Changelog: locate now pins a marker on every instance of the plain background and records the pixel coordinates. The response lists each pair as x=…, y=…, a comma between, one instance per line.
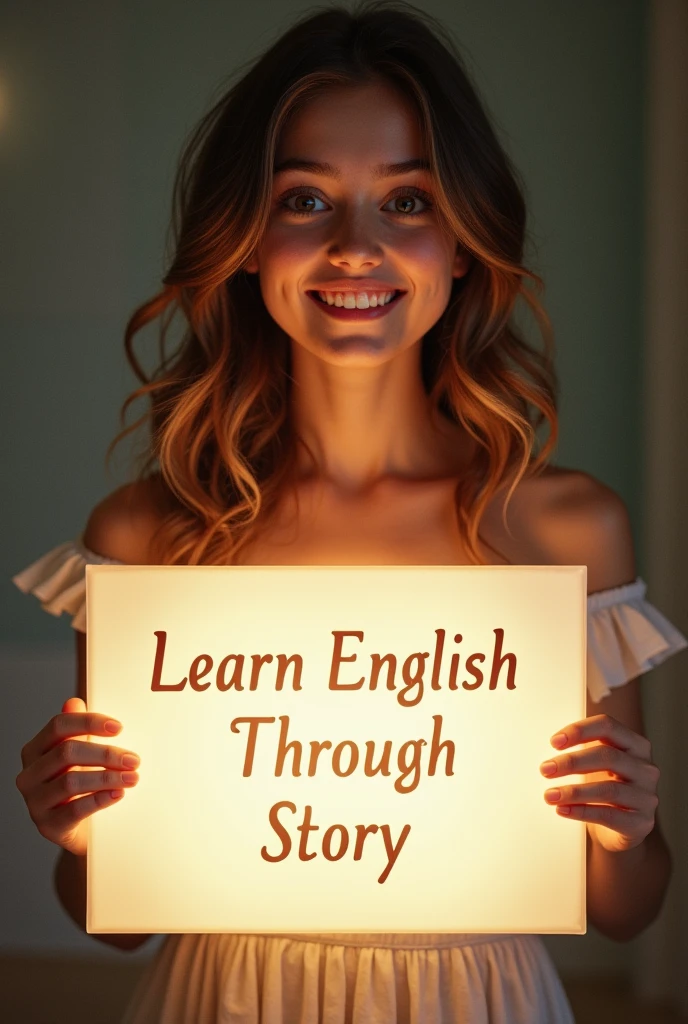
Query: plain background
x=95, y=102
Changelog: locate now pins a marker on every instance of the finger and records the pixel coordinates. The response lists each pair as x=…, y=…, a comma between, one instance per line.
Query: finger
x=69, y=785
x=61, y=727
x=66, y=815
x=607, y=730
x=600, y=757
x=74, y=753
x=73, y=704
x=619, y=794
x=624, y=821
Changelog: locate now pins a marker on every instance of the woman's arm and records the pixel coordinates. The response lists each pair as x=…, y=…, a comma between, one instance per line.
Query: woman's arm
x=70, y=870
x=625, y=891
x=584, y=522
x=119, y=527
x=70, y=885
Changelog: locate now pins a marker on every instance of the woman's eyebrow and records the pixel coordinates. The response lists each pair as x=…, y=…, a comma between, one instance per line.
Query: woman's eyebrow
x=327, y=170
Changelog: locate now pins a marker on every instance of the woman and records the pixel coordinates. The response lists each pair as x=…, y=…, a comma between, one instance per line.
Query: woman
x=351, y=390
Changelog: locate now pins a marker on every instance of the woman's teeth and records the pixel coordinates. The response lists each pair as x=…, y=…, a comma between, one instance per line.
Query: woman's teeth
x=356, y=300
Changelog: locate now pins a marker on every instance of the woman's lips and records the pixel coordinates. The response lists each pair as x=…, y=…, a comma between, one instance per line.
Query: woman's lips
x=341, y=313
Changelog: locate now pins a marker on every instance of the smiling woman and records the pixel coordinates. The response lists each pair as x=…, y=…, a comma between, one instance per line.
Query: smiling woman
x=351, y=389
x=319, y=246
x=380, y=255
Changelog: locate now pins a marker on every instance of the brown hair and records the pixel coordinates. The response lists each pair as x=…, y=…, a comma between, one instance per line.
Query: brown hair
x=220, y=429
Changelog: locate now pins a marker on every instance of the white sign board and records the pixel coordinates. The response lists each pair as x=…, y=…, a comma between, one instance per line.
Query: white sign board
x=337, y=749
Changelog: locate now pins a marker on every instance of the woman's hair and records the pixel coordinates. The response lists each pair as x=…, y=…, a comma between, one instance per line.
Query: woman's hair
x=221, y=433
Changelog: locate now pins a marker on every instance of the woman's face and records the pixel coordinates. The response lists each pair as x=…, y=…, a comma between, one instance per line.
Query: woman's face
x=350, y=229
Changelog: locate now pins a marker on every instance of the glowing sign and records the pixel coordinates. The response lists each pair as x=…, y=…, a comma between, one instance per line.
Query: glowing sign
x=337, y=748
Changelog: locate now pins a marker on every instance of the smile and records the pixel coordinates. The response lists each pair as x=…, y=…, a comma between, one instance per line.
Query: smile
x=342, y=313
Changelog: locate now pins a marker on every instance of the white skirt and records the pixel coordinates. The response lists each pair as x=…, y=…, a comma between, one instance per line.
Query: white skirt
x=346, y=979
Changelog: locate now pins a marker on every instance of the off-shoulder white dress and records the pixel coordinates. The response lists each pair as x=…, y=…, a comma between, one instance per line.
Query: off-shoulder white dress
x=350, y=979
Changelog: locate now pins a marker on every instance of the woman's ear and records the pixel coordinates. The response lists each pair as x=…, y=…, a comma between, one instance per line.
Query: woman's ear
x=463, y=261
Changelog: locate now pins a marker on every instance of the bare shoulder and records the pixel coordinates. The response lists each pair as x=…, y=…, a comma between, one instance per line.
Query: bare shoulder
x=123, y=524
x=575, y=519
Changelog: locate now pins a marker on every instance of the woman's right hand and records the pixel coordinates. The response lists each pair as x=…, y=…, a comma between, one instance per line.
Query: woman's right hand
x=53, y=792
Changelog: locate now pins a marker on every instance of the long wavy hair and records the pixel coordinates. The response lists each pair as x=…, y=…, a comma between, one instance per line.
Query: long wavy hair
x=221, y=439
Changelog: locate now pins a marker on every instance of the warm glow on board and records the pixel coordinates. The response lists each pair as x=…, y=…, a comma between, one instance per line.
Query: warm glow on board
x=337, y=748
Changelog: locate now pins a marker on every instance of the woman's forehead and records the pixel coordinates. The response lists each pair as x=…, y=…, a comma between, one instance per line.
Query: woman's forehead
x=362, y=127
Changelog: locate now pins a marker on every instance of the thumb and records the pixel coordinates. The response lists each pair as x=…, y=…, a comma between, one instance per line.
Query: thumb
x=74, y=704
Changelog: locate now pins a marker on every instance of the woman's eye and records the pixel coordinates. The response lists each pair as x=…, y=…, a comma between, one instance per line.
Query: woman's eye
x=405, y=203
x=308, y=207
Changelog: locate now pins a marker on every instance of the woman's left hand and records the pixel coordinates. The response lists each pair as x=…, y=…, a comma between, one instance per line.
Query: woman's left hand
x=619, y=810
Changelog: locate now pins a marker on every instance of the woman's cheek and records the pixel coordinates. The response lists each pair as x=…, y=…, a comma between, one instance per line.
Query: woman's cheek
x=426, y=250
x=284, y=241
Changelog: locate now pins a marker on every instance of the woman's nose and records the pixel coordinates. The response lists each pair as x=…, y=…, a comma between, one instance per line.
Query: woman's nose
x=355, y=238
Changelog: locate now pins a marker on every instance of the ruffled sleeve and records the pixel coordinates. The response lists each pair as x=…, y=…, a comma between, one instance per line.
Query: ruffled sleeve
x=626, y=636
x=58, y=580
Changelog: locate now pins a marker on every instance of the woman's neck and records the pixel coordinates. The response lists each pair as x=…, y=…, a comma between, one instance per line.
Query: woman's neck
x=365, y=425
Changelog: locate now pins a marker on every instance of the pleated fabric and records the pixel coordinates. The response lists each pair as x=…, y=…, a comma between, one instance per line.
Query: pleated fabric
x=627, y=636
x=269, y=979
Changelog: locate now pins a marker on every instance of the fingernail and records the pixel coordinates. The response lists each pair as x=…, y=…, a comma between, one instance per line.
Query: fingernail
x=559, y=740
x=112, y=726
x=548, y=767
x=553, y=794
x=131, y=761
